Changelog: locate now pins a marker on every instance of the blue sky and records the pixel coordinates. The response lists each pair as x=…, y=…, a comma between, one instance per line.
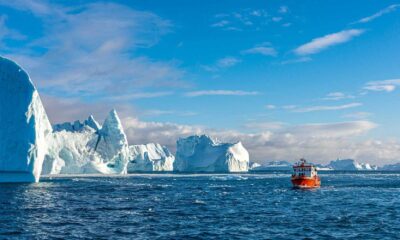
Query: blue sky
x=268, y=70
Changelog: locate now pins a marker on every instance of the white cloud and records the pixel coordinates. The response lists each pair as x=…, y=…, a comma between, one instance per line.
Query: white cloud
x=89, y=50
x=384, y=11
x=37, y=7
x=270, y=106
x=220, y=92
x=264, y=126
x=221, y=23
x=276, y=19
x=138, y=95
x=266, y=51
x=334, y=96
x=358, y=115
x=159, y=112
x=288, y=107
x=227, y=62
x=222, y=63
x=327, y=108
x=240, y=20
x=297, y=60
x=257, y=13
x=70, y=109
x=384, y=85
x=283, y=9
x=333, y=130
x=318, y=44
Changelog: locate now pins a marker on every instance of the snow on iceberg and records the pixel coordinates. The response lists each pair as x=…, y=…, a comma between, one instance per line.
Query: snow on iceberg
x=203, y=154
x=88, y=148
x=24, y=126
x=150, y=157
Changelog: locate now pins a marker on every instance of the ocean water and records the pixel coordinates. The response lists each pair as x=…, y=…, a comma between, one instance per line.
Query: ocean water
x=202, y=206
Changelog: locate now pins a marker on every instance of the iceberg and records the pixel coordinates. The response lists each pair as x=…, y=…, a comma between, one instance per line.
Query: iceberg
x=254, y=165
x=391, y=167
x=150, y=157
x=24, y=126
x=88, y=148
x=203, y=154
x=350, y=165
x=272, y=166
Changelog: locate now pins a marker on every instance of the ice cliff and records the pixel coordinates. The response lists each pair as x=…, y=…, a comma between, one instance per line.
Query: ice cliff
x=87, y=148
x=150, y=157
x=203, y=154
x=24, y=126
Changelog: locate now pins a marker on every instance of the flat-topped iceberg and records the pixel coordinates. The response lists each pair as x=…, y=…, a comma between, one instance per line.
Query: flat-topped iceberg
x=203, y=154
x=87, y=148
x=24, y=126
x=150, y=157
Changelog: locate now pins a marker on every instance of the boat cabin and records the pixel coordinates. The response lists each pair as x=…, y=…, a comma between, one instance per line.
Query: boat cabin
x=304, y=169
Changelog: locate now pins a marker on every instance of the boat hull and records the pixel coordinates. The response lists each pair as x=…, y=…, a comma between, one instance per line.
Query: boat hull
x=306, y=182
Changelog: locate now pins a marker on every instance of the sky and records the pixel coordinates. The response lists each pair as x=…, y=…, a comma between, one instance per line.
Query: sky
x=290, y=79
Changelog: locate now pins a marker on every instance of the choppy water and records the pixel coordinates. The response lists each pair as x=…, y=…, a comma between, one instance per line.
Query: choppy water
x=246, y=206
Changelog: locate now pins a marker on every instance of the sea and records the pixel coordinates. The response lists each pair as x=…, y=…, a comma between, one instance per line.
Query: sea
x=349, y=205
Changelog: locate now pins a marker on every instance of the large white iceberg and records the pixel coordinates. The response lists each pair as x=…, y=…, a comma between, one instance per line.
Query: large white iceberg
x=87, y=148
x=150, y=157
x=203, y=154
x=24, y=126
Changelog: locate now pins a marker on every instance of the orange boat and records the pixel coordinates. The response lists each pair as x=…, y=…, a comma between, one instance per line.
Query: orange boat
x=305, y=175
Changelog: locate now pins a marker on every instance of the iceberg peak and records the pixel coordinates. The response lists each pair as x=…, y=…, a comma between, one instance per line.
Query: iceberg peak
x=112, y=123
x=91, y=122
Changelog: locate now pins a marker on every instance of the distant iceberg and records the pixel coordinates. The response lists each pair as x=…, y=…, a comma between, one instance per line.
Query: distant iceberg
x=272, y=166
x=203, y=154
x=24, y=126
x=150, y=157
x=338, y=165
x=391, y=167
x=350, y=165
x=87, y=148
